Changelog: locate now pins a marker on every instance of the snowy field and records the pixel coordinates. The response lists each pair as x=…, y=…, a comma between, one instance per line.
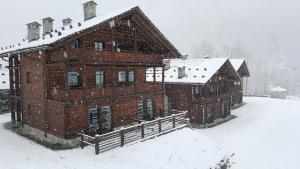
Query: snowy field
x=183, y=149
x=266, y=134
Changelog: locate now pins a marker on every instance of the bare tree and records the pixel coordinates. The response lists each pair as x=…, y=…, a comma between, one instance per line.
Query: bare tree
x=236, y=51
x=205, y=48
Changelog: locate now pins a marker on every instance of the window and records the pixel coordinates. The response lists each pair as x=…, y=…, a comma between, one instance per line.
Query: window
x=98, y=46
x=141, y=112
x=93, y=120
x=28, y=77
x=73, y=79
x=99, y=79
x=122, y=76
x=77, y=44
x=150, y=74
x=131, y=77
x=149, y=109
x=106, y=117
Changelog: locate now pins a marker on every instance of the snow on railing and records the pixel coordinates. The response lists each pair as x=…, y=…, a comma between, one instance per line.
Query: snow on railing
x=139, y=132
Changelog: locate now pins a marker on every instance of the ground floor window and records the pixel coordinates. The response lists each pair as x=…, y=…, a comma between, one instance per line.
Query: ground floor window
x=149, y=108
x=141, y=113
x=93, y=120
x=106, y=118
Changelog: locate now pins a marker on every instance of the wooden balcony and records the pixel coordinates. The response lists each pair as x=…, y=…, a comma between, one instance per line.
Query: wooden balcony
x=211, y=99
x=105, y=92
x=90, y=55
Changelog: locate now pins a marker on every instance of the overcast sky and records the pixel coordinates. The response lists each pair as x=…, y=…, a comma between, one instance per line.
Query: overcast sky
x=264, y=27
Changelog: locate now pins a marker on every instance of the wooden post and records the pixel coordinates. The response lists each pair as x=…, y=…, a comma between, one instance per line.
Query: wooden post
x=159, y=125
x=143, y=130
x=97, y=141
x=81, y=140
x=174, y=124
x=122, y=138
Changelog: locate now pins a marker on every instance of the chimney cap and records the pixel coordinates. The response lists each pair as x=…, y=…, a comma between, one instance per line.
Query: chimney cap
x=49, y=19
x=90, y=2
x=67, y=20
x=33, y=24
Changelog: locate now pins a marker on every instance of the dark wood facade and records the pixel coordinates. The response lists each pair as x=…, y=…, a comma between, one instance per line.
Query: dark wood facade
x=206, y=102
x=237, y=97
x=41, y=94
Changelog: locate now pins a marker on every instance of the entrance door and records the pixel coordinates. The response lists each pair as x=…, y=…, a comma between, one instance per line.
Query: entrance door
x=93, y=120
x=106, y=118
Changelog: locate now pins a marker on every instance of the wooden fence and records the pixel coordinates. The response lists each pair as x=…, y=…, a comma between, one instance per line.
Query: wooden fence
x=145, y=130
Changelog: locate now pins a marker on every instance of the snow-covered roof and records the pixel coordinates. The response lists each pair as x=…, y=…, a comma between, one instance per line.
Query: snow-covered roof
x=278, y=89
x=69, y=31
x=237, y=63
x=4, y=76
x=197, y=71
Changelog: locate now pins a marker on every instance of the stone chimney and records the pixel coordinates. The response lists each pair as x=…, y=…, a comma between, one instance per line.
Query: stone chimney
x=89, y=10
x=33, y=31
x=47, y=25
x=181, y=72
x=67, y=22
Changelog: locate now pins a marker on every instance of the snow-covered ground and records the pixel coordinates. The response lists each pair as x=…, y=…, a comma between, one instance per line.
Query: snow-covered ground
x=266, y=134
x=183, y=149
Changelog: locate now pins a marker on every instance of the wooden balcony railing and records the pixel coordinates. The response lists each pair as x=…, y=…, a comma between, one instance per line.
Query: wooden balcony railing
x=105, y=92
x=91, y=55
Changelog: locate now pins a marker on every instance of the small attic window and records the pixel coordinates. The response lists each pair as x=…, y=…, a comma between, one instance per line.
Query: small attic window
x=203, y=76
x=189, y=69
x=174, y=70
x=205, y=69
x=4, y=82
x=195, y=76
x=3, y=74
x=171, y=76
x=197, y=69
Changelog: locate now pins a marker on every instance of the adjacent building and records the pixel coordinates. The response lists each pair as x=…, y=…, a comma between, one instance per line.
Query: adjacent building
x=203, y=87
x=4, y=87
x=241, y=68
x=88, y=76
x=279, y=93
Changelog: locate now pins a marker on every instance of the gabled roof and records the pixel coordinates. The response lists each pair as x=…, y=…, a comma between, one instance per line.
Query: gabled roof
x=197, y=71
x=237, y=63
x=55, y=37
x=240, y=66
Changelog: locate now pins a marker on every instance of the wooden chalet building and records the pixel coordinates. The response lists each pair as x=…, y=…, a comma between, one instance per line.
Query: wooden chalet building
x=203, y=87
x=241, y=68
x=88, y=76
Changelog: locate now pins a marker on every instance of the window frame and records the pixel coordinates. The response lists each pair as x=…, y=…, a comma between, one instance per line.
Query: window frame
x=78, y=84
x=103, y=79
x=131, y=81
x=98, y=46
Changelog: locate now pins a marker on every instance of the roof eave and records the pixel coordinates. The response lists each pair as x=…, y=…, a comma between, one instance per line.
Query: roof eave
x=26, y=50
